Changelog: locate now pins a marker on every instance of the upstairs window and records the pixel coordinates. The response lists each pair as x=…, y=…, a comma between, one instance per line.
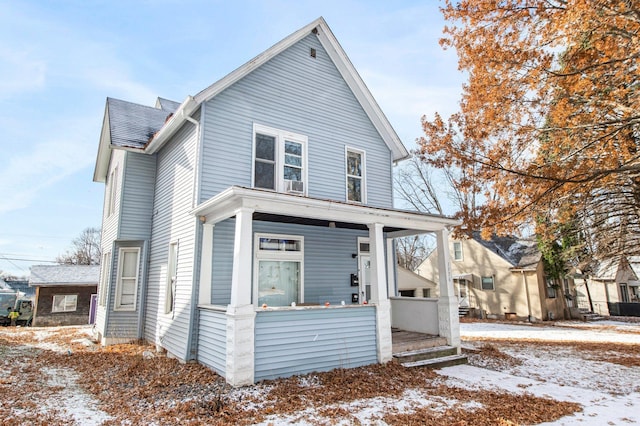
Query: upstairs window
x=457, y=250
x=355, y=176
x=280, y=160
x=111, y=191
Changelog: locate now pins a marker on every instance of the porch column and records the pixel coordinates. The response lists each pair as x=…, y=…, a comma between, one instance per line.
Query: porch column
x=391, y=268
x=379, y=292
x=206, y=258
x=240, y=312
x=448, y=320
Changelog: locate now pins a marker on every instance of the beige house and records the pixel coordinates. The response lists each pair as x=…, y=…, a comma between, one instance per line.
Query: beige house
x=501, y=278
x=613, y=285
x=411, y=284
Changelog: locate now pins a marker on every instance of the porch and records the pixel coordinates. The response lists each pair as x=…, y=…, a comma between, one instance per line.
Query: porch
x=282, y=311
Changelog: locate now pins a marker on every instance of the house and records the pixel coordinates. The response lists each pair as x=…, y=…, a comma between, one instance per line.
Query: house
x=501, y=278
x=21, y=286
x=612, y=287
x=64, y=294
x=251, y=226
x=411, y=284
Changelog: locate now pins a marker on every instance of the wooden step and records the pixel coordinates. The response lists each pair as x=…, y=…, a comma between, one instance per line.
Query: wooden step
x=426, y=353
x=446, y=361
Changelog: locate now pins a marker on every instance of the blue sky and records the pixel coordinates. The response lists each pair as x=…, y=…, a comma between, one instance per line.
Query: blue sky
x=60, y=60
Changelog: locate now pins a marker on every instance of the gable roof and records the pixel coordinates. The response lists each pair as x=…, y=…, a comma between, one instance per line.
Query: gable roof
x=48, y=275
x=348, y=72
x=128, y=125
x=520, y=253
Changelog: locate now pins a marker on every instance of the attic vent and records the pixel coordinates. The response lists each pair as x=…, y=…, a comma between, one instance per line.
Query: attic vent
x=313, y=52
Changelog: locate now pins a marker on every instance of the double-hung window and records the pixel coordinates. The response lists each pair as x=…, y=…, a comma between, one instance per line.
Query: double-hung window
x=172, y=277
x=279, y=269
x=457, y=250
x=127, y=284
x=356, y=191
x=104, y=278
x=280, y=160
x=488, y=283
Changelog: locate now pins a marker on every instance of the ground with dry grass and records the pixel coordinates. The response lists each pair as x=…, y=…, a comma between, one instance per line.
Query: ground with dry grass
x=58, y=376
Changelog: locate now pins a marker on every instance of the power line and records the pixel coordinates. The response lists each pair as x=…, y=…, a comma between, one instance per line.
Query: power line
x=27, y=260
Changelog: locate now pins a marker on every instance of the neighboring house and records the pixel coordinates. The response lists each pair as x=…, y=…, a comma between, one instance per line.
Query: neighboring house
x=251, y=226
x=612, y=288
x=502, y=277
x=21, y=286
x=411, y=284
x=65, y=294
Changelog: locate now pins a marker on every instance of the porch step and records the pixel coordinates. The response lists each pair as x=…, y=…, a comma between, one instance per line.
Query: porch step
x=446, y=361
x=424, y=354
x=463, y=311
x=404, y=341
x=590, y=316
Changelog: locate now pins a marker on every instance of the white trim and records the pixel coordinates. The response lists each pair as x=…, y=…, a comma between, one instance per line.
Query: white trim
x=363, y=177
x=276, y=255
x=118, y=301
x=281, y=136
x=224, y=205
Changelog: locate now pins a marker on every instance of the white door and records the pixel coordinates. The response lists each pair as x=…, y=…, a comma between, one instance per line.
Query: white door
x=365, y=278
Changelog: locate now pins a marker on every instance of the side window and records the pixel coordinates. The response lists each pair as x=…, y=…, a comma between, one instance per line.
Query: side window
x=112, y=191
x=104, y=278
x=487, y=283
x=457, y=250
x=127, y=284
x=172, y=273
x=279, y=160
x=355, y=176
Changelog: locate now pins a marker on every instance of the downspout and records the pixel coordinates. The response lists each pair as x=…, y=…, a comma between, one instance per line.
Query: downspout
x=192, y=349
x=526, y=288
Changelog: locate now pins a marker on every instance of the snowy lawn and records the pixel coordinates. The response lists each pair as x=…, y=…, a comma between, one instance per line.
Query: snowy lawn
x=559, y=373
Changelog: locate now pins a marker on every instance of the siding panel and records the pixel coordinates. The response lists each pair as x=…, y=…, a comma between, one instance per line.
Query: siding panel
x=137, y=199
x=172, y=222
x=301, y=341
x=212, y=340
x=305, y=95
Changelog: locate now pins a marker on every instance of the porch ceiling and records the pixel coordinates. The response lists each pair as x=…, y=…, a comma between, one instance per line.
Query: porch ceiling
x=279, y=207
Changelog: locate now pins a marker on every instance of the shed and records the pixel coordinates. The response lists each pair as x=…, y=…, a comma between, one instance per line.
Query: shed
x=65, y=294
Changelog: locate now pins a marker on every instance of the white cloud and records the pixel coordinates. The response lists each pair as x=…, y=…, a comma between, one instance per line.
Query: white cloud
x=25, y=175
x=19, y=72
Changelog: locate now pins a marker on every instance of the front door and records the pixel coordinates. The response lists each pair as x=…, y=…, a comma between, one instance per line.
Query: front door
x=365, y=278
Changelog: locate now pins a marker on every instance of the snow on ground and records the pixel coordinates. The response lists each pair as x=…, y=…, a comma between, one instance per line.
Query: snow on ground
x=609, y=393
x=568, y=331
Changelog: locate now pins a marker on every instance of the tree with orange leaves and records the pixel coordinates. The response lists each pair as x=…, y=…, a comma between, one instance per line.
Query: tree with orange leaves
x=549, y=118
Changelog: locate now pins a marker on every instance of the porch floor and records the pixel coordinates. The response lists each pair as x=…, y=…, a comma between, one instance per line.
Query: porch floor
x=403, y=341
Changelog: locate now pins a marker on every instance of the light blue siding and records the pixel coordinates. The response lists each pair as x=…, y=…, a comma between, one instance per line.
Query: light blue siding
x=328, y=260
x=301, y=94
x=301, y=341
x=137, y=196
x=172, y=222
x=223, y=240
x=212, y=340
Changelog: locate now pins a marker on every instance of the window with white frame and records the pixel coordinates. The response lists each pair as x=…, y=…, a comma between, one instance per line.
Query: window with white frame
x=280, y=160
x=64, y=303
x=113, y=183
x=127, y=284
x=104, y=278
x=279, y=269
x=355, y=175
x=551, y=287
x=457, y=250
x=487, y=283
x=172, y=276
